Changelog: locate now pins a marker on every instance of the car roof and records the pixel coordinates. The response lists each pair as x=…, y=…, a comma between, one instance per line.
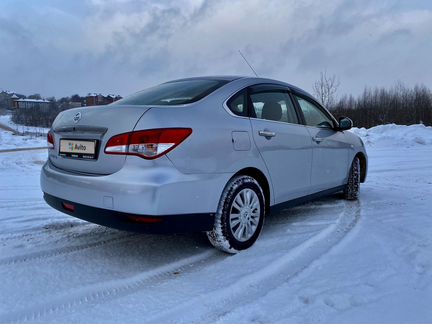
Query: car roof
x=294, y=88
x=228, y=78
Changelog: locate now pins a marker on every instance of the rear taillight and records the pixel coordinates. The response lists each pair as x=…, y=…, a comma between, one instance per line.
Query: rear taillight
x=148, y=144
x=50, y=140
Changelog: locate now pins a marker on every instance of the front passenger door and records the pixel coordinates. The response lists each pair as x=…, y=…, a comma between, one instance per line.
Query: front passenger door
x=330, y=150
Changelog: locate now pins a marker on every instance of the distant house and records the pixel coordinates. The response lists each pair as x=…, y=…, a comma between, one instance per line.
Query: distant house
x=31, y=103
x=7, y=99
x=95, y=99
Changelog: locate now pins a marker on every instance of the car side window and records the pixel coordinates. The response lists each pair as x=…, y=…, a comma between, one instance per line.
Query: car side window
x=273, y=105
x=313, y=115
x=237, y=104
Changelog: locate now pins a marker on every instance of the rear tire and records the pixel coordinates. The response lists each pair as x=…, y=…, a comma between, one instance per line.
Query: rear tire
x=352, y=188
x=240, y=215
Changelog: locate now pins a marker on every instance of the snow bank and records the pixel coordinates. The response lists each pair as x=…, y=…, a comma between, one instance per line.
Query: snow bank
x=10, y=141
x=395, y=135
x=6, y=120
x=34, y=136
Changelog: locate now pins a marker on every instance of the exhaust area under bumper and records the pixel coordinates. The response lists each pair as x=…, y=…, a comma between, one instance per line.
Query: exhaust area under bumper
x=168, y=224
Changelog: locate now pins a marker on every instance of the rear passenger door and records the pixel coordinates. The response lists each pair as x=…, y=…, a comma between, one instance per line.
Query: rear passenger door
x=330, y=150
x=284, y=144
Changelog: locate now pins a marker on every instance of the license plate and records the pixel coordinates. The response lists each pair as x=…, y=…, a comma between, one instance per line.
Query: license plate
x=78, y=149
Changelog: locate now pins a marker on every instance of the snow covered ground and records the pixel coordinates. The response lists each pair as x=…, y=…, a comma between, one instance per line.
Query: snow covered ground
x=6, y=120
x=9, y=140
x=327, y=261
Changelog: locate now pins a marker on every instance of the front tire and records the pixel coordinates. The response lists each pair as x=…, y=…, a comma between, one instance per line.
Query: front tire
x=352, y=189
x=240, y=215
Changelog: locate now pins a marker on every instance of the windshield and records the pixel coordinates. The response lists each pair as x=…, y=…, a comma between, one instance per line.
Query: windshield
x=173, y=93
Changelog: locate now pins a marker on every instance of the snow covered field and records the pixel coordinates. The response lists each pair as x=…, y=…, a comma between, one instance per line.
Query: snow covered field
x=6, y=120
x=9, y=141
x=327, y=261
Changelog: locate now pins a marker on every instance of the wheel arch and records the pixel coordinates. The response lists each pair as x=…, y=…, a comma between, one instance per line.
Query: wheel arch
x=259, y=176
x=363, y=166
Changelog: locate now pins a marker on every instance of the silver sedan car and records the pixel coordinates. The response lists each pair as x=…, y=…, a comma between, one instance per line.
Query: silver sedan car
x=211, y=154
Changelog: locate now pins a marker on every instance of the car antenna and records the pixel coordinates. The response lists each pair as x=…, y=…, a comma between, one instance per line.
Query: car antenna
x=244, y=58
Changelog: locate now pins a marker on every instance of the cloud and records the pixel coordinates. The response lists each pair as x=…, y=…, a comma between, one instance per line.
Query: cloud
x=63, y=47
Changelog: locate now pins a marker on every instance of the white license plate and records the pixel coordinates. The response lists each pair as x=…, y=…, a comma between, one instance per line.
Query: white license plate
x=78, y=149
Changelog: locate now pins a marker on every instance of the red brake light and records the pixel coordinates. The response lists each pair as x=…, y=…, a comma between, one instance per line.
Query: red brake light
x=50, y=140
x=148, y=144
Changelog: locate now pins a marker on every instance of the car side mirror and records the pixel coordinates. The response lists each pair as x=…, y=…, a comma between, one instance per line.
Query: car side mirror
x=345, y=123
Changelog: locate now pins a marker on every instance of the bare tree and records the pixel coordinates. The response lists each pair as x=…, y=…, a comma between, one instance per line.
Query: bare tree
x=325, y=89
x=35, y=96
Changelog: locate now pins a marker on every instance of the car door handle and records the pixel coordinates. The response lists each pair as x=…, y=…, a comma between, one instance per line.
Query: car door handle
x=266, y=133
x=317, y=139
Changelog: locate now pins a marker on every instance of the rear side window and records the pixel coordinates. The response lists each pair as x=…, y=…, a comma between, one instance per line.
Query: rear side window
x=173, y=93
x=237, y=104
x=273, y=105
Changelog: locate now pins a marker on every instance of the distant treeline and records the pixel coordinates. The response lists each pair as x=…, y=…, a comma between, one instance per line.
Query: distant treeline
x=40, y=116
x=399, y=105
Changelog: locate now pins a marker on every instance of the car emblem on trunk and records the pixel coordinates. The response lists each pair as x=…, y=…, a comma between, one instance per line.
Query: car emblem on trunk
x=77, y=117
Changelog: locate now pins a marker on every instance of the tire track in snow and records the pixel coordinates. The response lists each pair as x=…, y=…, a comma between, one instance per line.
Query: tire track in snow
x=42, y=255
x=37, y=232
x=197, y=308
x=104, y=291
x=213, y=306
x=28, y=203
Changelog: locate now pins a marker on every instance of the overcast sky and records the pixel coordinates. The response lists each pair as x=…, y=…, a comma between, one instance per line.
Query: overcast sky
x=62, y=47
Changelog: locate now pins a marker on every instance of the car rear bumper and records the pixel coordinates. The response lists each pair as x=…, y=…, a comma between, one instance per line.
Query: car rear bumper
x=157, y=189
x=134, y=222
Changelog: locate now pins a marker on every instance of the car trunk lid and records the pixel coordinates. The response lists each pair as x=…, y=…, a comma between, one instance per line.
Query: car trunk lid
x=92, y=127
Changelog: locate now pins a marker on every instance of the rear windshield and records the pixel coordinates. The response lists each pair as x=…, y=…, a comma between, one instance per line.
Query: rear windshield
x=173, y=93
